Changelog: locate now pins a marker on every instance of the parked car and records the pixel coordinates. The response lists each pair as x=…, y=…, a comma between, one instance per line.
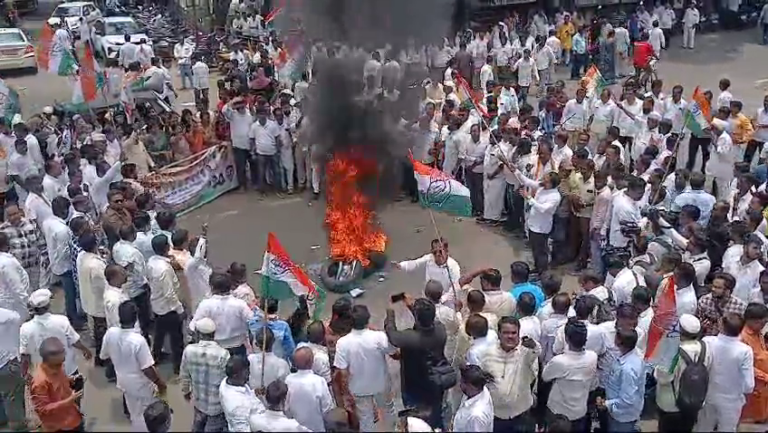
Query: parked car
x=16, y=51
x=110, y=36
x=71, y=12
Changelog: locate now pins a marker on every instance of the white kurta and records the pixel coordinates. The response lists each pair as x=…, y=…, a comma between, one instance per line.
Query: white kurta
x=493, y=189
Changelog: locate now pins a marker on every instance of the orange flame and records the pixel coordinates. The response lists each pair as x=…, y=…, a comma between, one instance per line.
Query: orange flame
x=352, y=229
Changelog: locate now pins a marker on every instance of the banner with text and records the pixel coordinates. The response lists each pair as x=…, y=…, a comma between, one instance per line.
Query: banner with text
x=194, y=181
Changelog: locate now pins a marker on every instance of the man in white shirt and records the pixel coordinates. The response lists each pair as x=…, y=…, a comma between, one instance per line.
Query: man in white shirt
x=624, y=208
x=265, y=140
x=164, y=289
x=274, y=418
x=527, y=74
x=746, y=267
x=182, y=53
x=309, y=398
x=137, y=375
x=144, y=53
x=691, y=19
x=57, y=237
x=266, y=367
x=583, y=309
x=54, y=181
x=14, y=279
x=685, y=294
x=200, y=78
x=513, y=362
x=545, y=62
x=573, y=374
x=621, y=279
x=575, y=115
x=361, y=360
x=731, y=377
x=114, y=294
x=674, y=110
x=486, y=74
x=12, y=385
x=126, y=254
x=316, y=342
x=230, y=314
x=238, y=399
x=43, y=325
x=127, y=53
x=36, y=206
x=543, y=202
x=667, y=18
x=372, y=71
x=560, y=306
x=240, y=121
x=90, y=276
x=725, y=97
x=439, y=266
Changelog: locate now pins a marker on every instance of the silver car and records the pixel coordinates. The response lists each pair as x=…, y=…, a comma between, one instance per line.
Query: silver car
x=16, y=51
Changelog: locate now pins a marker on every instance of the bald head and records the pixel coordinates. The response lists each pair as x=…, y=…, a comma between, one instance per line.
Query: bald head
x=433, y=291
x=51, y=348
x=303, y=358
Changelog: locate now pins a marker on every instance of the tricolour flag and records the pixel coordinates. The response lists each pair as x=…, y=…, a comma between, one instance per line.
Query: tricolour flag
x=467, y=96
x=9, y=101
x=441, y=192
x=90, y=79
x=52, y=56
x=282, y=279
x=699, y=113
x=664, y=332
x=595, y=81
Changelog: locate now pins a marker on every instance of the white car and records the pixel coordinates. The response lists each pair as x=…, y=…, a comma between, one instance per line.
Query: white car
x=111, y=33
x=72, y=12
x=16, y=51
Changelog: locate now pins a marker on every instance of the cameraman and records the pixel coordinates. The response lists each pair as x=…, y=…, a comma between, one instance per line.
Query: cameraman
x=625, y=211
x=694, y=242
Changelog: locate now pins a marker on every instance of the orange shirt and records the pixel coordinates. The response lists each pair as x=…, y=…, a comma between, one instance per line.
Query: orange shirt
x=756, y=409
x=742, y=128
x=49, y=391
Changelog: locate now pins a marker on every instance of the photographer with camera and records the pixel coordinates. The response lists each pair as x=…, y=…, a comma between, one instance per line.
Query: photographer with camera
x=624, y=217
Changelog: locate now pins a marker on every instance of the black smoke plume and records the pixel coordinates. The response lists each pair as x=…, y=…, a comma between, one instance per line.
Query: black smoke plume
x=341, y=120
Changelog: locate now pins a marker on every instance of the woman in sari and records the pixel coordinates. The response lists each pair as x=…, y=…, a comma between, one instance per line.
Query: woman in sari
x=606, y=57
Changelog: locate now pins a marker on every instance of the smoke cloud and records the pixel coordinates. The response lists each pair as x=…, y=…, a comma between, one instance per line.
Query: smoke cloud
x=340, y=121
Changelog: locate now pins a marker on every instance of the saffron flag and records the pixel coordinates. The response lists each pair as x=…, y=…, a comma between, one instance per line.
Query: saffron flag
x=282, y=279
x=595, y=81
x=9, y=101
x=440, y=191
x=699, y=113
x=664, y=333
x=52, y=56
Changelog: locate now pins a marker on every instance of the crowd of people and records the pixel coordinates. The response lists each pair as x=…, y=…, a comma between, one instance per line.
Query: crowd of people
x=590, y=179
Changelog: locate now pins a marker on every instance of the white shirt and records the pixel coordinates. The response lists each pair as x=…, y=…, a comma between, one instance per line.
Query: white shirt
x=15, y=285
x=761, y=134
x=239, y=127
x=544, y=58
x=308, y=400
x=627, y=126
x=656, y=39
x=448, y=274
x=674, y=111
x=723, y=156
x=38, y=208
x=275, y=368
x=143, y=243
x=560, y=154
x=128, y=54
x=732, y=374
x=543, y=206
x=575, y=115
x=129, y=352
x=239, y=404
x=127, y=255
x=747, y=276
x=265, y=137
x=53, y=187
x=47, y=325
x=363, y=353
x=486, y=75
x=200, y=76
x=572, y=374
x=198, y=271
x=691, y=17
x=164, y=286
x=595, y=340
x=231, y=316
x=622, y=208
x=10, y=329
x=526, y=72
x=530, y=326
x=549, y=328
x=475, y=414
x=479, y=346
x=724, y=99
x=90, y=273
x=603, y=115
x=514, y=372
x=100, y=186
x=272, y=421
x=623, y=284
x=113, y=297
x=687, y=303
x=372, y=68
x=321, y=364
x=57, y=236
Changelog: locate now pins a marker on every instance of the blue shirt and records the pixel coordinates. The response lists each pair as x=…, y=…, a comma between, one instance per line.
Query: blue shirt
x=625, y=388
x=284, y=344
x=579, y=45
x=519, y=289
x=699, y=198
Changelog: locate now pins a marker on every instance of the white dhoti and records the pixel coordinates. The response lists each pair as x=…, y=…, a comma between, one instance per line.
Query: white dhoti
x=724, y=416
x=493, y=197
x=139, y=393
x=286, y=162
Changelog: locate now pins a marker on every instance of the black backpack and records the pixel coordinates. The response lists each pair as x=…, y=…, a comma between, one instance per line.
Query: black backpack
x=694, y=382
x=442, y=375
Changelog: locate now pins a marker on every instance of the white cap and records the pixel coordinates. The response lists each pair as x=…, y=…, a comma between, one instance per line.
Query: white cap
x=16, y=119
x=48, y=110
x=205, y=326
x=40, y=298
x=97, y=136
x=449, y=83
x=690, y=324
x=654, y=115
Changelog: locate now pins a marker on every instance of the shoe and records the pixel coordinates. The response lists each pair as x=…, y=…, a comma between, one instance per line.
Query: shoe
x=315, y=196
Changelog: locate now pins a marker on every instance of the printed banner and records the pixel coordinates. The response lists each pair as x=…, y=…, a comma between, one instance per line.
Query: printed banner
x=194, y=181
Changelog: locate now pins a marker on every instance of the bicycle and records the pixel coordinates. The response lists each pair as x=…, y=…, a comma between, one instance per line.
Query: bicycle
x=645, y=76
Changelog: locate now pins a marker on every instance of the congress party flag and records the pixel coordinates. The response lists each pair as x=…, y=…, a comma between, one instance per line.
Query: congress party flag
x=440, y=191
x=664, y=333
x=52, y=56
x=699, y=113
x=595, y=81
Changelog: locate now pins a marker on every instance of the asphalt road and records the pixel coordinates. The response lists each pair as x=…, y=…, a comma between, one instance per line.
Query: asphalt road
x=239, y=223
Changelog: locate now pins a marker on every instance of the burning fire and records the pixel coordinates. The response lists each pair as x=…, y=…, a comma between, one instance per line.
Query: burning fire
x=352, y=230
